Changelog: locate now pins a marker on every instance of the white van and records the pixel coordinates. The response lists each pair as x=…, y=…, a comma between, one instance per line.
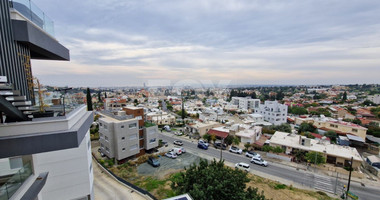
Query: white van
x=243, y=166
x=178, y=151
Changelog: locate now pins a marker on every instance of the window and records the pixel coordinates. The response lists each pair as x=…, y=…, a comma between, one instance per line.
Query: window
x=355, y=130
x=106, y=138
x=133, y=147
x=133, y=136
x=332, y=125
x=100, y=124
x=122, y=138
x=123, y=149
x=105, y=126
x=134, y=125
x=107, y=149
x=152, y=140
x=122, y=126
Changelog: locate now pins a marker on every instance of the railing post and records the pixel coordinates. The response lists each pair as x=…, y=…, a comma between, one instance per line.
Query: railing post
x=6, y=189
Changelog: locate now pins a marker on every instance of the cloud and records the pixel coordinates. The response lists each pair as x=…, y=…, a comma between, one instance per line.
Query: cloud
x=284, y=42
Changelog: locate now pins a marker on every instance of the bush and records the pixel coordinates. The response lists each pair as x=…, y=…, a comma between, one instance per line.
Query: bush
x=279, y=186
x=267, y=148
x=278, y=150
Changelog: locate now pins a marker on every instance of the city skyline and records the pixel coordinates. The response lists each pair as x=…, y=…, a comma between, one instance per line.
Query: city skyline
x=116, y=43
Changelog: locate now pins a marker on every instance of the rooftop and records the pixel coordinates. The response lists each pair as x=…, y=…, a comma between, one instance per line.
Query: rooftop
x=292, y=140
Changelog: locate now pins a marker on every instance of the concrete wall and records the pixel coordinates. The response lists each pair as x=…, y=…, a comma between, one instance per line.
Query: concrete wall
x=70, y=172
x=151, y=137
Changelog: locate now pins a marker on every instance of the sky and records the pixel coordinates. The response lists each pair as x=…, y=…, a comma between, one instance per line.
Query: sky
x=128, y=43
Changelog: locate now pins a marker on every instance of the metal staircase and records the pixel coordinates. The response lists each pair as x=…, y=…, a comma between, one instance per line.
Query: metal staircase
x=14, y=106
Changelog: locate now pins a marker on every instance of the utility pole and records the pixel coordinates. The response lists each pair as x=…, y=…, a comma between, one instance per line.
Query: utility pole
x=315, y=162
x=221, y=148
x=336, y=182
x=349, y=178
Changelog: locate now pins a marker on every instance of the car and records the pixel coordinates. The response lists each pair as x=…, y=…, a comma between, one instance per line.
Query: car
x=182, y=149
x=176, y=150
x=153, y=161
x=202, y=146
x=259, y=161
x=178, y=142
x=164, y=143
x=167, y=128
x=242, y=166
x=203, y=142
x=235, y=150
x=178, y=133
x=219, y=145
x=171, y=154
x=252, y=154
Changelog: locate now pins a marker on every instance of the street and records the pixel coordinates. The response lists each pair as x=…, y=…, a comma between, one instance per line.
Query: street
x=304, y=178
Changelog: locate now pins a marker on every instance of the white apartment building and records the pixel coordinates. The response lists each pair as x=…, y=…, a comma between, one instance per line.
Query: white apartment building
x=246, y=103
x=374, y=98
x=47, y=158
x=273, y=112
x=120, y=138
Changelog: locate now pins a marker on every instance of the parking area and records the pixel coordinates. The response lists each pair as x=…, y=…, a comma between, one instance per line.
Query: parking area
x=168, y=165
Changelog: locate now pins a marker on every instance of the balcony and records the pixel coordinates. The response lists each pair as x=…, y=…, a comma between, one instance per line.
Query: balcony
x=29, y=10
x=11, y=183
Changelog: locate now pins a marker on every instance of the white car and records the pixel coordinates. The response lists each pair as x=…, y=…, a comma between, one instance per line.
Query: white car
x=259, y=161
x=235, y=150
x=171, y=155
x=252, y=154
x=183, y=150
x=203, y=142
x=178, y=142
x=242, y=166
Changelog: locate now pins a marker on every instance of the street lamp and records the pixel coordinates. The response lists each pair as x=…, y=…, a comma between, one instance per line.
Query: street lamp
x=349, y=178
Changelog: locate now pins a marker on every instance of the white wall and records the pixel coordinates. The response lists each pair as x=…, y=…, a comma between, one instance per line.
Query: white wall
x=70, y=172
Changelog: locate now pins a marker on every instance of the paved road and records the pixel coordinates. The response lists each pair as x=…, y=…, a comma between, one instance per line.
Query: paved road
x=106, y=187
x=305, y=178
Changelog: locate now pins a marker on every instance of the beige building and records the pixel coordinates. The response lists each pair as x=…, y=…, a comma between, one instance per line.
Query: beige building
x=342, y=128
x=161, y=118
x=334, y=154
x=202, y=128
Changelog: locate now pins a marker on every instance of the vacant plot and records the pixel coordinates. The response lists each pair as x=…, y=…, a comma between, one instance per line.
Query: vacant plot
x=168, y=165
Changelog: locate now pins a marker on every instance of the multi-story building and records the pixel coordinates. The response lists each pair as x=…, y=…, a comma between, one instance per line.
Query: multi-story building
x=41, y=158
x=374, y=98
x=47, y=158
x=123, y=136
x=341, y=127
x=273, y=112
x=246, y=103
x=26, y=33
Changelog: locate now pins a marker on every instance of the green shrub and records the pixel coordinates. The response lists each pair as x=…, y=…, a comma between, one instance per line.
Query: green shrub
x=267, y=148
x=280, y=186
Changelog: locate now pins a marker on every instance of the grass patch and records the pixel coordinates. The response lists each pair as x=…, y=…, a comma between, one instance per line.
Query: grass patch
x=279, y=186
x=153, y=183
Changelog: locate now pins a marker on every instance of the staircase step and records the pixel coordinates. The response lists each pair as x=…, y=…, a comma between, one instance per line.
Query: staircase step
x=9, y=93
x=22, y=103
x=26, y=108
x=6, y=86
x=16, y=98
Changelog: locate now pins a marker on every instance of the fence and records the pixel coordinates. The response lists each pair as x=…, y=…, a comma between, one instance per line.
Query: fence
x=134, y=187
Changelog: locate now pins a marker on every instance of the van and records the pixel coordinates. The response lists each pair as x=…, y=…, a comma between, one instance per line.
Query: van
x=242, y=166
x=177, y=151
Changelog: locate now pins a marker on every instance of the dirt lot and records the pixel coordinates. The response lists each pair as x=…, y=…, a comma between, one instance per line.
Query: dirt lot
x=168, y=165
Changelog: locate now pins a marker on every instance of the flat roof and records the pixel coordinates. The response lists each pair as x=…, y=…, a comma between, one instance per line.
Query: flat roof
x=292, y=140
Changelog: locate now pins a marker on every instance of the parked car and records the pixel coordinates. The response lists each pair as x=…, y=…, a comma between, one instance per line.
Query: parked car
x=182, y=149
x=259, y=161
x=178, y=142
x=164, y=143
x=171, y=154
x=242, y=166
x=178, y=133
x=176, y=150
x=153, y=161
x=252, y=154
x=219, y=145
x=235, y=150
x=202, y=146
x=203, y=142
x=167, y=128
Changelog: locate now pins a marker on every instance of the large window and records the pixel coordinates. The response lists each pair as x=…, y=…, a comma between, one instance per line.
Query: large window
x=134, y=125
x=152, y=140
x=133, y=147
x=133, y=136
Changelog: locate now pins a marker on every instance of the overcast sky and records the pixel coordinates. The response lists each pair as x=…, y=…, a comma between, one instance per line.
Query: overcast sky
x=127, y=43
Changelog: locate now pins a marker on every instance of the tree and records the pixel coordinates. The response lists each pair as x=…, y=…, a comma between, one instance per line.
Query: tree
x=105, y=95
x=247, y=145
x=183, y=115
x=297, y=110
x=332, y=135
x=136, y=102
x=315, y=157
x=368, y=103
x=278, y=150
x=344, y=98
x=357, y=121
x=99, y=97
x=229, y=139
x=213, y=138
x=306, y=127
x=214, y=181
x=89, y=100
x=236, y=141
x=207, y=137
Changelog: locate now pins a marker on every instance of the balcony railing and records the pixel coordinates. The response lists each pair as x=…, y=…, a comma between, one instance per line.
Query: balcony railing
x=15, y=181
x=29, y=10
